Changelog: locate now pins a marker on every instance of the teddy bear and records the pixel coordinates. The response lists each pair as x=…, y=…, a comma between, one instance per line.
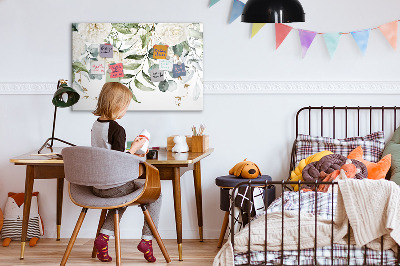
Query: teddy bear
x=13, y=215
x=245, y=169
x=180, y=144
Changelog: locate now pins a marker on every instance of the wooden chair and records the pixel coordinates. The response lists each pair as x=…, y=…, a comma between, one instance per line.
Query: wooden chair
x=85, y=167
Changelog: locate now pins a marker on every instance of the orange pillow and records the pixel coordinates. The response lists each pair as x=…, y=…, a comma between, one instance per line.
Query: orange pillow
x=375, y=170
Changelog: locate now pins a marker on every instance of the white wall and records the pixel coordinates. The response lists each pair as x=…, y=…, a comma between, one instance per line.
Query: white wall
x=35, y=44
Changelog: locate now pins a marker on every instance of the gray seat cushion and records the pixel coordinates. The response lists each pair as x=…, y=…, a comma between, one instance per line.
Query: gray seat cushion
x=83, y=196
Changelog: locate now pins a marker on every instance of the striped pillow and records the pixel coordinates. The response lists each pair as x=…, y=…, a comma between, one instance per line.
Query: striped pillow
x=372, y=145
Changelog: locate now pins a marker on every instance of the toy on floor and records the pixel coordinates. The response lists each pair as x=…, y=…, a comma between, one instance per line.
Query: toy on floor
x=245, y=169
x=13, y=215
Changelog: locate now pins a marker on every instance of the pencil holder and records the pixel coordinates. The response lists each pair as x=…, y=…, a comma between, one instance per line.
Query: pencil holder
x=200, y=143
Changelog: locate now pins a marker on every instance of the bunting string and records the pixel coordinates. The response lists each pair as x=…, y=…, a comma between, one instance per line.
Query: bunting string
x=361, y=37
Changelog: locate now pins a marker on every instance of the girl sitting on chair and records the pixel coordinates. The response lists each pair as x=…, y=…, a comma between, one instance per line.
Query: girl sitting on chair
x=112, y=104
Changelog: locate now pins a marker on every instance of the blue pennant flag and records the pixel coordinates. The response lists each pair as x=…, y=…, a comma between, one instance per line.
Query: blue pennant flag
x=213, y=2
x=361, y=37
x=332, y=41
x=237, y=9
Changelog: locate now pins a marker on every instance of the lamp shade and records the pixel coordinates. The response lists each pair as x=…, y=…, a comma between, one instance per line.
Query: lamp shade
x=273, y=11
x=65, y=96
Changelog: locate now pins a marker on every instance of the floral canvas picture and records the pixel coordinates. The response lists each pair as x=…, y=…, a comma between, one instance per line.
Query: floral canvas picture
x=161, y=63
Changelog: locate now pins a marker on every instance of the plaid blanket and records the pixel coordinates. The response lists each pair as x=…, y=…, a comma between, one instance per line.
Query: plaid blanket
x=323, y=205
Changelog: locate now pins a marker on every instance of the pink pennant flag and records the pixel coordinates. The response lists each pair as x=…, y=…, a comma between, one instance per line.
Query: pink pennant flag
x=306, y=39
x=389, y=30
x=281, y=31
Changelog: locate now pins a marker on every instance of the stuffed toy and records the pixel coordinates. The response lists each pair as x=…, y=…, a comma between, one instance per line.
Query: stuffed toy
x=245, y=169
x=13, y=215
x=296, y=174
x=1, y=220
x=180, y=144
x=375, y=170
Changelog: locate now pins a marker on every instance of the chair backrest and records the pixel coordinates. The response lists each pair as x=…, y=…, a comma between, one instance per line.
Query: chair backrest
x=92, y=166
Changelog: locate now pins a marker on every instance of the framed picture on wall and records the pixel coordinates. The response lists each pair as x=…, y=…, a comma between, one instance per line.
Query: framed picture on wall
x=161, y=63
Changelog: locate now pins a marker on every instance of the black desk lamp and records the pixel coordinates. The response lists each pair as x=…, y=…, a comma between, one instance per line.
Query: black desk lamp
x=273, y=11
x=64, y=97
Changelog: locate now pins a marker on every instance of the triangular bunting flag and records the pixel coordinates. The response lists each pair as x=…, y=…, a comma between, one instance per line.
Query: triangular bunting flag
x=237, y=9
x=213, y=2
x=306, y=39
x=389, y=30
x=332, y=41
x=361, y=37
x=281, y=31
x=256, y=28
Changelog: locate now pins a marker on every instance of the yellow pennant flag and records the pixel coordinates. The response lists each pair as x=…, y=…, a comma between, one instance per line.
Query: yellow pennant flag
x=256, y=28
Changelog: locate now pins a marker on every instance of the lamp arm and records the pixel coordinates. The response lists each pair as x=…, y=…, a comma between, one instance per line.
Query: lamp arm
x=54, y=126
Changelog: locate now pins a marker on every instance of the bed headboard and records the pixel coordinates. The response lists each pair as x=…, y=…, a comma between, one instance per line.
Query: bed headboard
x=344, y=121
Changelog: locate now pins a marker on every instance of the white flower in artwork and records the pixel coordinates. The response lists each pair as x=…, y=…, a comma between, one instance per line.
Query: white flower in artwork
x=78, y=46
x=172, y=33
x=94, y=32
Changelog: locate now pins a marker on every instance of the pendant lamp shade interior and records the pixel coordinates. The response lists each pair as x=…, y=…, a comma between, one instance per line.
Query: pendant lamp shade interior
x=273, y=11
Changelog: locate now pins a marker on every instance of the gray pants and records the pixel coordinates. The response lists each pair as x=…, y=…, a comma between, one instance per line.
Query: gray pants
x=154, y=208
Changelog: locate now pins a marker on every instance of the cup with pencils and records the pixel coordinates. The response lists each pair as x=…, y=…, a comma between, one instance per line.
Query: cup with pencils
x=200, y=141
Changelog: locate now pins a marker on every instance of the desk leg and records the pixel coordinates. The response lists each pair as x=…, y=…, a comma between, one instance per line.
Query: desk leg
x=176, y=182
x=60, y=190
x=199, y=204
x=27, y=206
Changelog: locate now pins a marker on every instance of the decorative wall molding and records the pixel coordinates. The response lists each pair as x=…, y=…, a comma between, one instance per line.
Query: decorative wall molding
x=250, y=87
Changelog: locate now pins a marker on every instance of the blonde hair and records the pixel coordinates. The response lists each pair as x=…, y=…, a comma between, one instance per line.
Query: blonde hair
x=113, y=98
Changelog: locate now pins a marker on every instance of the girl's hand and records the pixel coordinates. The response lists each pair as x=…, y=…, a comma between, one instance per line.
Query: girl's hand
x=137, y=144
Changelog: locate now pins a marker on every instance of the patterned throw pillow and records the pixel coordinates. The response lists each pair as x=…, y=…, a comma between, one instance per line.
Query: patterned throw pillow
x=372, y=145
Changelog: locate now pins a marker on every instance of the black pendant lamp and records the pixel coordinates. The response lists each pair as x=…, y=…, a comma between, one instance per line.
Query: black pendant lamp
x=273, y=11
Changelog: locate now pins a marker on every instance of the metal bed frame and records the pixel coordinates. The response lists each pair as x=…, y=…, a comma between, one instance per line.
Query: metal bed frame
x=283, y=184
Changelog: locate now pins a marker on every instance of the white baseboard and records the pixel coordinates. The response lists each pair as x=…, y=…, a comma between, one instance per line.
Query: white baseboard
x=247, y=87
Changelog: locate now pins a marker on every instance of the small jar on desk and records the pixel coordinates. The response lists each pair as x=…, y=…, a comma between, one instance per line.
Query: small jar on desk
x=226, y=183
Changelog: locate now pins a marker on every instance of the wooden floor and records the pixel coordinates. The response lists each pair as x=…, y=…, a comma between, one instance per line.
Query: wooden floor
x=50, y=252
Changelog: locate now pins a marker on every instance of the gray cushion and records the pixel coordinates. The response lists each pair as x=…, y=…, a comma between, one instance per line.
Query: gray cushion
x=393, y=148
x=83, y=195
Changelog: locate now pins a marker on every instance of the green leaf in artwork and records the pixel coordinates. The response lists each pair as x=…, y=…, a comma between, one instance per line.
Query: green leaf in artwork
x=78, y=66
x=135, y=56
x=163, y=85
x=195, y=34
x=133, y=95
x=151, y=52
x=185, y=46
x=142, y=87
x=124, y=28
x=131, y=66
x=147, y=78
x=145, y=39
x=74, y=26
x=172, y=85
x=178, y=49
x=128, y=76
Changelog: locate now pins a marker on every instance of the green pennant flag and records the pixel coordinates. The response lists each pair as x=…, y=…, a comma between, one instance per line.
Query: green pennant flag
x=213, y=2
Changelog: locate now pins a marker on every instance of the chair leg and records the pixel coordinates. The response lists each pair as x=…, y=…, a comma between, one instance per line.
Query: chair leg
x=154, y=230
x=117, y=239
x=223, y=229
x=101, y=222
x=73, y=237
